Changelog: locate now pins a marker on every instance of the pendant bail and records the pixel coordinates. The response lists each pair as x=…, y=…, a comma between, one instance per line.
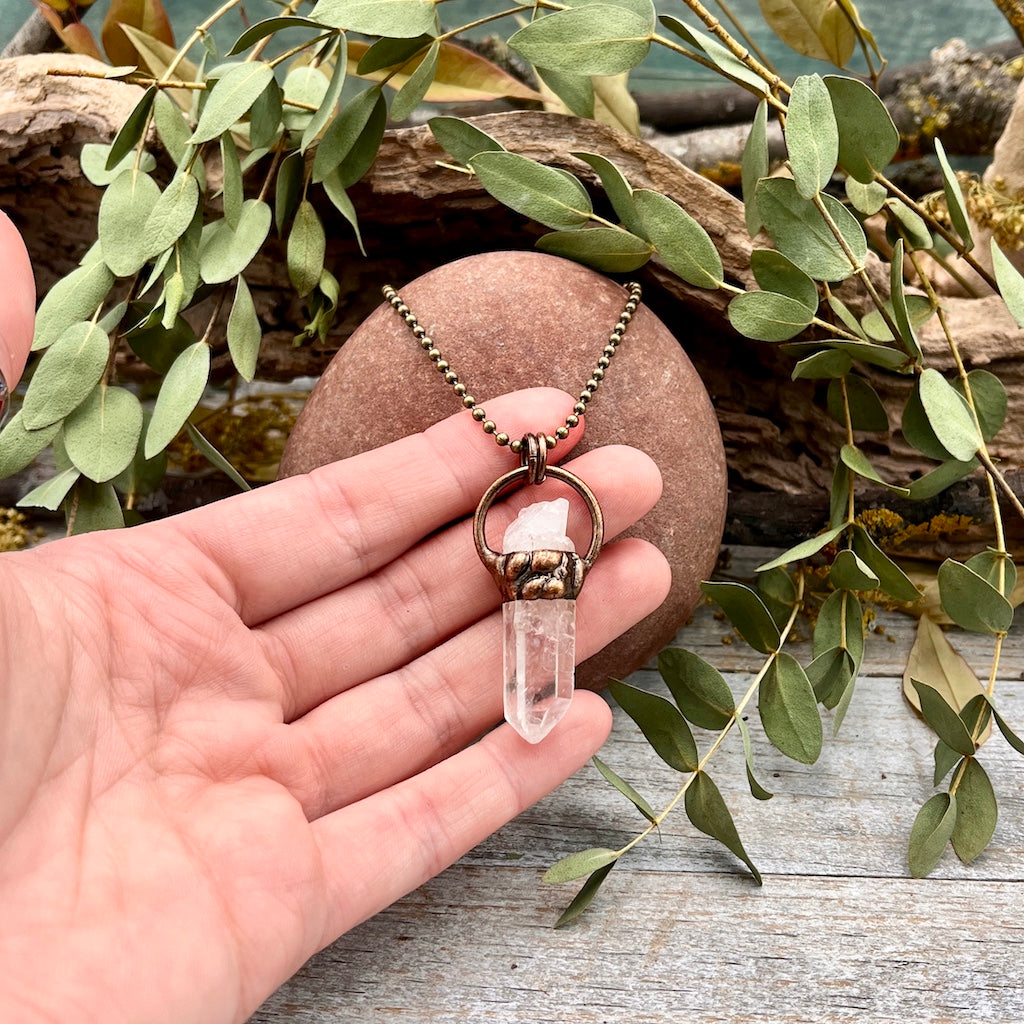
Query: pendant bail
x=534, y=457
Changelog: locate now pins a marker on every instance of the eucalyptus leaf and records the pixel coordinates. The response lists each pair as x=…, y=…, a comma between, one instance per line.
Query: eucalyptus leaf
x=949, y=415
x=946, y=758
x=907, y=226
x=93, y=159
x=288, y=190
x=124, y=213
x=683, y=245
x=1011, y=284
x=830, y=673
x=892, y=579
x=815, y=28
x=400, y=19
x=773, y=272
x=697, y=687
x=848, y=572
x=575, y=91
x=307, y=246
x=827, y=364
x=461, y=139
x=141, y=476
x=154, y=343
x=989, y=398
x=1008, y=734
x=709, y=812
x=768, y=316
x=266, y=115
x=778, y=592
x=916, y=428
x=391, y=53
x=866, y=199
x=344, y=205
x=306, y=85
x=96, y=507
x=746, y=611
x=226, y=253
x=612, y=250
x=933, y=828
x=840, y=624
x=812, y=136
x=244, y=331
x=789, y=710
x=866, y=409
x=598, y=39
x=329, y=102
x=268, y=27
x=855, y=458
x=754, y=167
x=868, y=139
x=937, y=480
x=585, y=896
x=804, y=549
x=617, y=189
x=180, y=393
x=943, y=719
x=101, y=435
x=52, y=492
x=536, y=191
x=971, y=601
x=234, y=193
x=898, y=298
x=665, y=728
x=412, y=92
x=19, y=446
x=625, y=789
x=839, y=498
x=205, y=447
x=954, y=199
x=801, y=233
x=976, y=812
x=231, y=98
x=997, y=567
x=846, y=317
x=69, y=370
x=172, y=213
x=353, y=147
x=71, y=300
x=719, y=54
x=129, y=135
x=757, y=791
x=576, y=865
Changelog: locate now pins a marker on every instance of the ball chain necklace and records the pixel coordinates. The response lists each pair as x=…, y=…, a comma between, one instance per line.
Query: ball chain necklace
x=539, y=574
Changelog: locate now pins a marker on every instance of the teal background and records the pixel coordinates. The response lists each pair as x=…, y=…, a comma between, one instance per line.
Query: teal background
x=905, y=29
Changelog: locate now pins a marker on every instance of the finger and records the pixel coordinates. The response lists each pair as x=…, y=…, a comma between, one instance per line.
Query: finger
x=402, y=723
x=387, y=845
x=298, y=539
x=439, y=588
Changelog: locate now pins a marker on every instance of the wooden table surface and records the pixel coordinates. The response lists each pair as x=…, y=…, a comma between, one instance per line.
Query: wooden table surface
x=679, y=932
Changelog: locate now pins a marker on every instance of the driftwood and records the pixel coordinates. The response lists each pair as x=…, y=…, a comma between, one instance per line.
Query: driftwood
x=416, y=215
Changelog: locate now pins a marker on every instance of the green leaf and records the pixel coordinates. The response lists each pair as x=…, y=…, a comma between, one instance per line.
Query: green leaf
x=265, y=116
x=723, y=58
x=598, y=39
x=173, y=299
x=180, y=393
x=1008, y=734
x=101, y=435
x=339, y=197
x=96, y=507
x=945, y=759
x=205, y=447
x=829, y=363
x=542, y=193
x=391, y=53
x=971, y=601
x=900, y=310
x=801, y=233
x=943, y=719
x=991, y=565
x=868, y=140
x=778, y=592
x=665, y=728
x=919, y=309
x=141, y=476
x=709, y=813
x=617, y=189
x=268, y=27
x=462, y=140
x=625, y=789
x=234, y=193
x=892, y=579
x=226, y=253
x=399, y=19
x=853, y=457
x=411, y=94
x=68, y=371
x=754, y=167
x=244, y=331
x=789, y=710
x=19, y=446
x=576, y=865
x=697, y=687
x=585, y=896
x=575, y=91
x=171, y=214
x=846, y=317
x=932, y=829
x=774, y=273
x=848, y=572
x=812, y=137
x=288, y=190
x=304, y=84
x=865, y=199
x=231, y=98
x=906, y=225
x=767, y=316
x=329, y=102
x=70, y=301
x=172, y=128
x=1011, y=284
x=990, y=400
x=612, y=250
x=916, y=428
x=839, y=498
x=757, y=791
x=804, y=549
x=94, y=164
x=124, y=213
x=683, y=245
x=154, y=344
x=866, y=409
x=976, y=812
x=933, y=658
x=938, y=479
x=52, y=492
x=954, y=199
x=129, y=135
x=307, y=246
x=814, y=28
x=746, y=611
x=358, y=116
x=830, y=673
x=840, y=624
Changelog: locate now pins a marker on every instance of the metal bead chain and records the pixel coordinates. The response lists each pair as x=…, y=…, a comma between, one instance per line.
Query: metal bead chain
x=469, y=402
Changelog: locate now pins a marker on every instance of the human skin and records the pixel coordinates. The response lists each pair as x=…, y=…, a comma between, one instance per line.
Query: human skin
x=17, y=308
x=229, y=736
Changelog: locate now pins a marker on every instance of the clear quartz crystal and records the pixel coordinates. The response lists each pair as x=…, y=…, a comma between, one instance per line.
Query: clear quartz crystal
x=540, y=635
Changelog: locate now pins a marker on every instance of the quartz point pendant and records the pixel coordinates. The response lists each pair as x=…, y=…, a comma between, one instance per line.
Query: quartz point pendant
x=539, y=649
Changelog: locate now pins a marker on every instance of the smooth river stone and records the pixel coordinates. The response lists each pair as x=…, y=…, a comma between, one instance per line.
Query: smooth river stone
x=539, y=642
x=510, y=320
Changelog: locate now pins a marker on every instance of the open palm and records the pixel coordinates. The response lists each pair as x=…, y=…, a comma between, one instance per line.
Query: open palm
x=230, y=736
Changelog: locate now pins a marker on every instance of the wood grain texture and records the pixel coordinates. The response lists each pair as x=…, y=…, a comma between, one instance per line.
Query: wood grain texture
x=679, y=931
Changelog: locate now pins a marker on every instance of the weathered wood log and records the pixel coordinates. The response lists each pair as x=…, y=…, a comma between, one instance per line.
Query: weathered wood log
x=417, y=214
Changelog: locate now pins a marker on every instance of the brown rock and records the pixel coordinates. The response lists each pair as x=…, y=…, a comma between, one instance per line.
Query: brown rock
x=559, y=313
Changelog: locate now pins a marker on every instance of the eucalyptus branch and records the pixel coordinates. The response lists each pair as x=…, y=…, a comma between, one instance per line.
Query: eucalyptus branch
x=745, y=35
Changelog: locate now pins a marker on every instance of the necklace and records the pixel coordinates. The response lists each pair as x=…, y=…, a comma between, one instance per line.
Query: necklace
x=538, y=574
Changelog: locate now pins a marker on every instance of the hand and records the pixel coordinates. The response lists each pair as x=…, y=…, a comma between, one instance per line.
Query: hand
x=228, y=737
